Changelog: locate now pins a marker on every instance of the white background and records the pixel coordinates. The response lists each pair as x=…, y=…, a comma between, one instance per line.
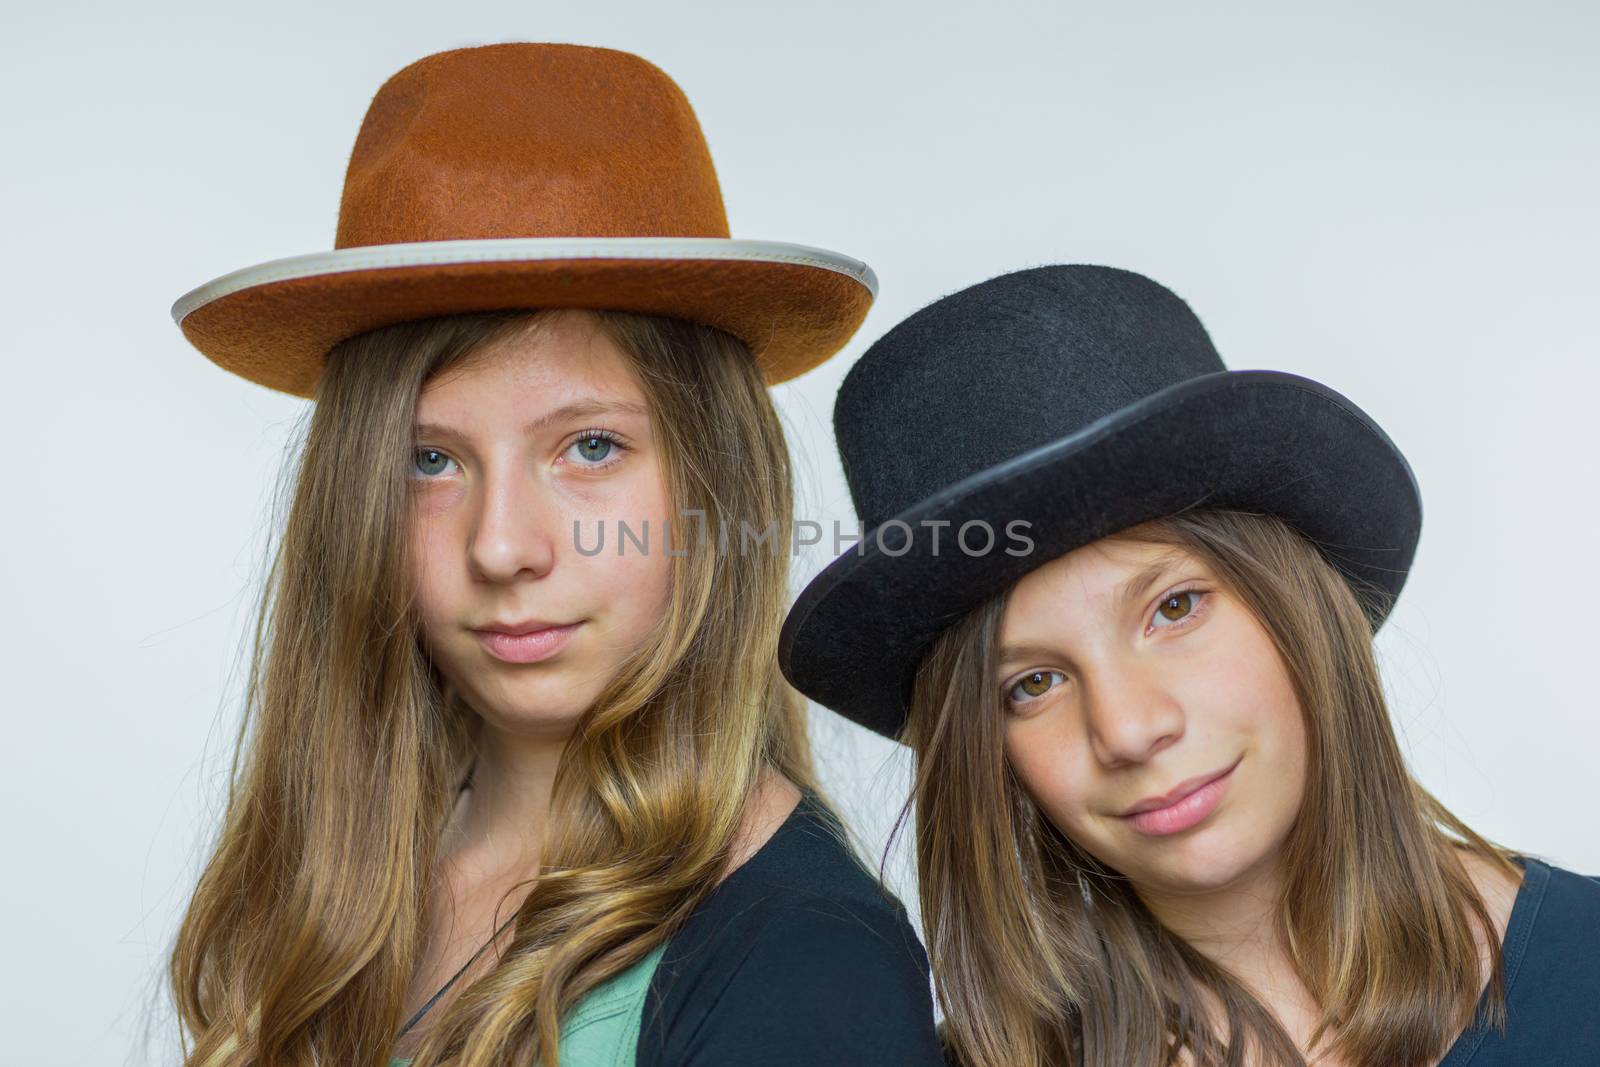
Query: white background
x=1398, y=200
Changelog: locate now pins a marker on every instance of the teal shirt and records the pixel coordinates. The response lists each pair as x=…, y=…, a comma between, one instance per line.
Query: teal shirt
x=603, y=1028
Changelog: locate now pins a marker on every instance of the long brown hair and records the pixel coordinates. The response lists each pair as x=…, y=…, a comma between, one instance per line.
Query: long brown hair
x=300, y=941
x=1043, y=955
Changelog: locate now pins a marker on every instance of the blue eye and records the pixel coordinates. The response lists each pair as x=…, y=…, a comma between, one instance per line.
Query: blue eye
x=423, y=458
x=594, y=447
x=1032, y=686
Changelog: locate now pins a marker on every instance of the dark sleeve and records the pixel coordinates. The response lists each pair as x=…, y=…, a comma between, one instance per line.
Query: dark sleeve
x=825, y=982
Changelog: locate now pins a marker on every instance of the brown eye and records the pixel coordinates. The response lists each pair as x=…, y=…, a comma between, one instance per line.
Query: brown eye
x=1033, y=685
x=1176, y=607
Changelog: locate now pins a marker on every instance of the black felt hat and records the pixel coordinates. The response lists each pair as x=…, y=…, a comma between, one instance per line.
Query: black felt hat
x=1080, y=401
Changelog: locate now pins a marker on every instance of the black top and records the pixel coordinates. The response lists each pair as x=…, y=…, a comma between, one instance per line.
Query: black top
x=1552, y=965
x=798, y=957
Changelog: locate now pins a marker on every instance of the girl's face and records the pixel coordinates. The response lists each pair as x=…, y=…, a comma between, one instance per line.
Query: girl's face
x=1132, y=679
x=514, y=445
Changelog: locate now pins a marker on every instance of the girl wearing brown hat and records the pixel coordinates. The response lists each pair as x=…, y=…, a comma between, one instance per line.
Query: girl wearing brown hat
x=520, y=782
x=1120, y=602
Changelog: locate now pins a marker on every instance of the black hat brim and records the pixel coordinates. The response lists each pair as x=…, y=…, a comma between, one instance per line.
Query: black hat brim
x=1262, y=441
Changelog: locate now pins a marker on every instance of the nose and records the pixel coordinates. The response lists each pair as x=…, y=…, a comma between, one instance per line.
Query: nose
x=513, y=532
x=1131, y=715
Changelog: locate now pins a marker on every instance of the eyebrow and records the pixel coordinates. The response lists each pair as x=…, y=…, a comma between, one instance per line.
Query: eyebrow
x=576, y=409
x=1129, y=591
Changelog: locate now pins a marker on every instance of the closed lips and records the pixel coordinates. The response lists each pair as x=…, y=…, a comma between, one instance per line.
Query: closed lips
x=517, y=629
x=1178, y=792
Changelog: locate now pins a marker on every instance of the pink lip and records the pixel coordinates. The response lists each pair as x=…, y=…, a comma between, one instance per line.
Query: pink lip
x=530, y=646
x=1182, y=807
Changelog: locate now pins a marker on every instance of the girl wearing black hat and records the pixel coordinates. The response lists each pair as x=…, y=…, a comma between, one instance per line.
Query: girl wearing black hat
x=1120, y=602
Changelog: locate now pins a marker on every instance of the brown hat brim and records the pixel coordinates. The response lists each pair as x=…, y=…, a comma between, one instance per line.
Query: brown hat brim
x=274, y=323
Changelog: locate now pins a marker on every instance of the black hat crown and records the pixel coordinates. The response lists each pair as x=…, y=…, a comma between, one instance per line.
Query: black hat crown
x=1052, y=350
x=1078, y=401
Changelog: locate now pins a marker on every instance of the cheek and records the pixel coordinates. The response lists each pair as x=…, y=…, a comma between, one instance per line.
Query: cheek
x=1261, y=717
x=634, y=589
x=1283, y=724
x=1052, y=770
x=427, y=541
x=1237, y=688
x=631, y=584
x=1283, y=742
x=1269, y=710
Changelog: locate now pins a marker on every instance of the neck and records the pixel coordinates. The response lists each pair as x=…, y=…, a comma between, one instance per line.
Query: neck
x=500, y=819
x=1233, y=925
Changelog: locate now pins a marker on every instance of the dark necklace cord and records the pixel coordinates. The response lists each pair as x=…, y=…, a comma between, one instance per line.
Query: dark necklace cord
x=434, y=999
x=492, y=939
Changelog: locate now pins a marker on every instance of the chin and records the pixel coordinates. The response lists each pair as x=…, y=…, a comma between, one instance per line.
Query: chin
x=1207, y=873
x=1206, y=858
x=533, y=706
x=552, y=723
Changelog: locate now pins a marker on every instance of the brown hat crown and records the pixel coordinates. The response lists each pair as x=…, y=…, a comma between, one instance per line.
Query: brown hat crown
x=529, y=140
x=527, y=175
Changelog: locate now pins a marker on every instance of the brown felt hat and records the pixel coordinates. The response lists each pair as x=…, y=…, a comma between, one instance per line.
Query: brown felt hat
x=522, y=176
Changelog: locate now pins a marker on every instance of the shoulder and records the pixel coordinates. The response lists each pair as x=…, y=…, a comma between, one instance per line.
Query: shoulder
x=1552, y=957
x=800, y=956
x=804, y=894
x=1564, y=908
x=847, y=940
x=1582, y=890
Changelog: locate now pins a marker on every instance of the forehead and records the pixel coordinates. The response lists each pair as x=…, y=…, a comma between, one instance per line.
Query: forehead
x=552, y=361
x=1093, y=580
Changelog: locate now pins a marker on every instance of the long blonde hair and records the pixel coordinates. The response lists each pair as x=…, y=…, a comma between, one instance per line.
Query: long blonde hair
x=1043, y=955
x=302, y=936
